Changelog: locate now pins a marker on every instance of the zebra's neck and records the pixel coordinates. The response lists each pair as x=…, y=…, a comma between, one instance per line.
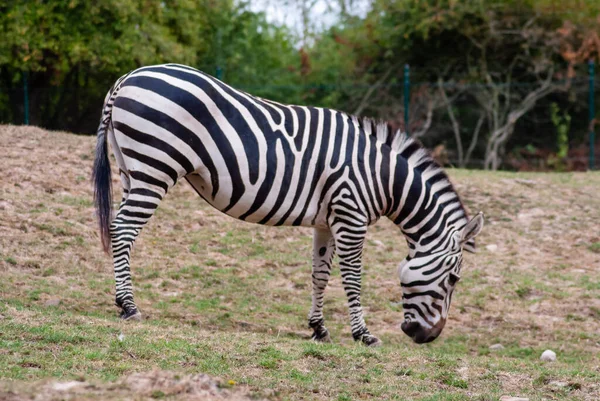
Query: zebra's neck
x=421, y=200
x=429, y=210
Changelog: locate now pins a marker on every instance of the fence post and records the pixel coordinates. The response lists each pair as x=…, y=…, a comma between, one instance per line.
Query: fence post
x=406, y=95
x=219, y=72
x=592, y=114
x=26, y=96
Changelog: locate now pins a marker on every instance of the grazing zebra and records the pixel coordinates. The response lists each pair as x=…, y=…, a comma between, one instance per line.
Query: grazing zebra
x=275, y=164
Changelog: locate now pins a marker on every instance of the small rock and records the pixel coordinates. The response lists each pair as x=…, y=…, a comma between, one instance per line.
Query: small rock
x=378, y=243
x=52, y=302
x=548, y=356
x=557, y=383
x=509, y=398
x=529, y=183
x=65, y=386
x=491, y=247
x=120, y=337
x=496, y=347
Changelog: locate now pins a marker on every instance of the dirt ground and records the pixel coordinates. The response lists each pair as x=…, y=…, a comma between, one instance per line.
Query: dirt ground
x=155, y=384
x=200, y=275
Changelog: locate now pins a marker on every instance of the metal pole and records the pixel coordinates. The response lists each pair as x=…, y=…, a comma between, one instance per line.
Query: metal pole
x=219, y=72
x=406, y=95
x=592, y=114
x=26, y=96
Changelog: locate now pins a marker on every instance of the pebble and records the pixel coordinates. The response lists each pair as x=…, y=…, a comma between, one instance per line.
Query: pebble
x=548, y=356
x=52, y=302
x=496, y=347
x=491, y=247
x=378, y=243
x=509, y=398
x=121, y=337
x=65, y=386
x=557, y=383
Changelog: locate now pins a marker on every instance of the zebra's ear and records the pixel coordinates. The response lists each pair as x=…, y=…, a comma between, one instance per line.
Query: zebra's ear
x=470, y=231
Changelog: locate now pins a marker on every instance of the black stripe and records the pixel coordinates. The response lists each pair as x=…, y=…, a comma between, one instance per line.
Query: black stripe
x=150, y=161
x=140, y=176
x=431, y=294
x=129, y=213
x=145, y=192
x=142, y=204
x=339, y=136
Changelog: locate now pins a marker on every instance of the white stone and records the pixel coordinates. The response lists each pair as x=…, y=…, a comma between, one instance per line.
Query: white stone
x=496, y=347
x=65, y=386
x=548, y=356
x=491, y=247
x=557, y=383
x=120, y=337
x=509, y=398
x=378, y=243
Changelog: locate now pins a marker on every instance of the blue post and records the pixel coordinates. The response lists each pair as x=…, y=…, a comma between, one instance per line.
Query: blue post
x=26, y=96
x=592, y=115
x=406, y=95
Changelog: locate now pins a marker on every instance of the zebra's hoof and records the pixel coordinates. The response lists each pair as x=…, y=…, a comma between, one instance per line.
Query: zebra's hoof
x=321, y=336
x=371, y=341
x=133, y=314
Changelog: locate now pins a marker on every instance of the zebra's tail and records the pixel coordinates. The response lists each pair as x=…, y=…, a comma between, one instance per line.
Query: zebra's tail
x=102, y=178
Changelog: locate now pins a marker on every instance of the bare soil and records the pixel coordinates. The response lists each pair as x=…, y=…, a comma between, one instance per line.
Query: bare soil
x=230, y=299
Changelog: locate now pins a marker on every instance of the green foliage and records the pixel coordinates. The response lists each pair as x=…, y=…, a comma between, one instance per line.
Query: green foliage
x=74, y=50
x=562, y=124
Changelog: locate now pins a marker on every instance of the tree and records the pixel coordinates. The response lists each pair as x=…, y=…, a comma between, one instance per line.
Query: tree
x=504, y=58
x=74, y=50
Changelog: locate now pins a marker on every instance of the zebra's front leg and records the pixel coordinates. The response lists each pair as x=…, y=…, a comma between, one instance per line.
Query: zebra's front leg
x=133, y=213
x=323, y=250
x=349, y=242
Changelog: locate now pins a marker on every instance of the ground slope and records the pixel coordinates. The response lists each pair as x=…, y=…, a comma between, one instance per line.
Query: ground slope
x=230, y=299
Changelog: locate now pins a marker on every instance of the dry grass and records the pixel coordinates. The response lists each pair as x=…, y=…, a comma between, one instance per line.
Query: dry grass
x=230, y=299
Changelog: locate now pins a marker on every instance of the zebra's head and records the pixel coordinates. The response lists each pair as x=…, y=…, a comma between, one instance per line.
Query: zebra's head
x=428, y=280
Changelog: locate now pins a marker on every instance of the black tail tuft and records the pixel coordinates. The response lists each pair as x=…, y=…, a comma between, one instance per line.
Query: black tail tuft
x=103, y=186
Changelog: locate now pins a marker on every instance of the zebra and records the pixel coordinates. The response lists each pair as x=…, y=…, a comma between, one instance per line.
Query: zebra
x=270, y=163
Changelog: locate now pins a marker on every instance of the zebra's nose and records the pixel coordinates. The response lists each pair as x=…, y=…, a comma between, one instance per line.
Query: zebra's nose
x=410, y=328
x=419, y=335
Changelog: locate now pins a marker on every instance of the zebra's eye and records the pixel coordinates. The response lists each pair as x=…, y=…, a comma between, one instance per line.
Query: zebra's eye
x=453, y=279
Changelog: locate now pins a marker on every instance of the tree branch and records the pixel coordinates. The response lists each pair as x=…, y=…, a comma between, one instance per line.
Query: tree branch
x=364, y=101
x=455, y=126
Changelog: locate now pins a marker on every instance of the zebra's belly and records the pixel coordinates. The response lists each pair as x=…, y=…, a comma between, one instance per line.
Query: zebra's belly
x=267, y=211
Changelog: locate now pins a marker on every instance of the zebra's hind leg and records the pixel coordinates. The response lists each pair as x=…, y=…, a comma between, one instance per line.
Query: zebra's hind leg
x=349, y=241
x=134, y=212
x=323, y=250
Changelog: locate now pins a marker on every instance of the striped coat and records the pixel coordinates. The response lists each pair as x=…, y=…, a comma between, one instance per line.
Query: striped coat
x=275, y=164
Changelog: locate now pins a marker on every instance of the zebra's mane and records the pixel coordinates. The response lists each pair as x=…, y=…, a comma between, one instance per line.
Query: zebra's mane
x=417, y=156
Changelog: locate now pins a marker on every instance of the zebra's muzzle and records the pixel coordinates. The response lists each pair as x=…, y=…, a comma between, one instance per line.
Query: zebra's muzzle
x=419, y=334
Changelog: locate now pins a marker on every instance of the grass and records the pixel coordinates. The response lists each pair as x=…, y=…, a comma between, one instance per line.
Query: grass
x=230, y=299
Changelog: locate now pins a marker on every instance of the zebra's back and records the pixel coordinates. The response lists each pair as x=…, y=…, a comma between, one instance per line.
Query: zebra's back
x=253, y=159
